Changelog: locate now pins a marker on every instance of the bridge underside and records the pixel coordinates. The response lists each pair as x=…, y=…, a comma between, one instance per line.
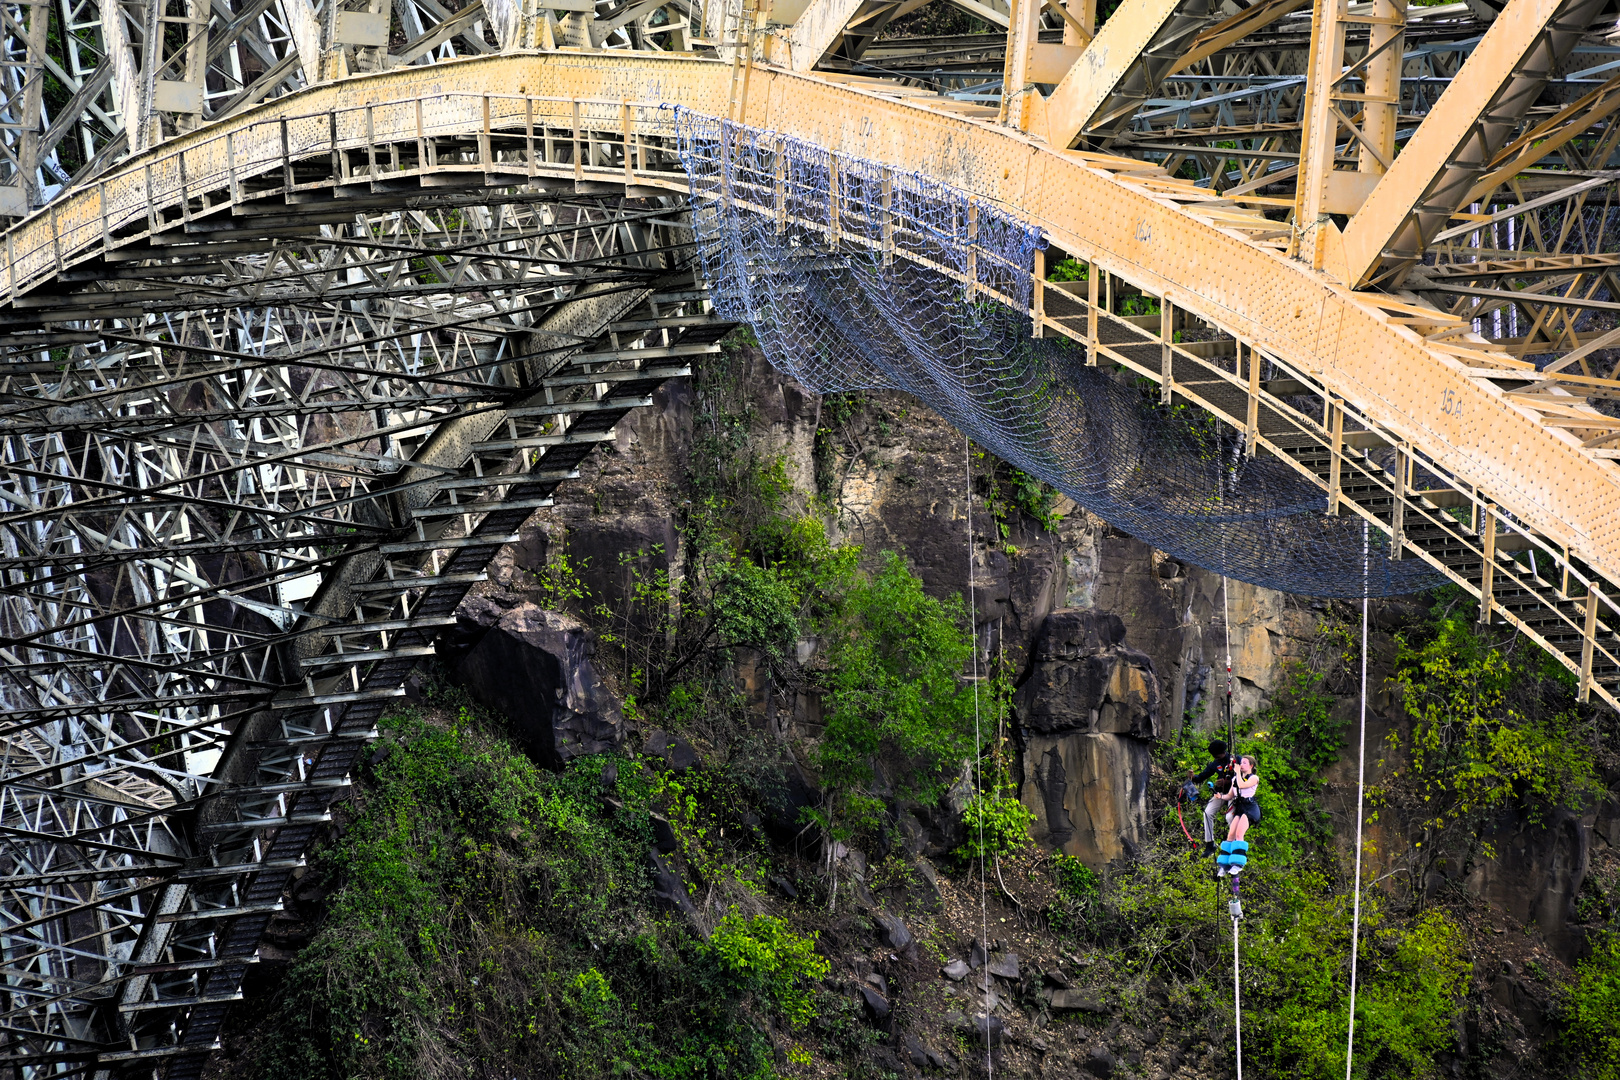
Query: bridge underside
x=316, y=305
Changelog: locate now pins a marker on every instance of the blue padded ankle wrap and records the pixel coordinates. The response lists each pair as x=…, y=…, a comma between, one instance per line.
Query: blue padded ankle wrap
x=1232, y=860
x=1230, y=846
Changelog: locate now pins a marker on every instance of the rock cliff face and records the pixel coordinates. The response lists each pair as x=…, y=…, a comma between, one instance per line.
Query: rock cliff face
x=534, y=666
x=1113, y=643
x=1085, y=712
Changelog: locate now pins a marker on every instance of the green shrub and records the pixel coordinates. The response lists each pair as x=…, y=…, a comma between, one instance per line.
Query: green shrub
x=1076, y=882
x=485, y=911
x=754, y=606
x=1078, y=891
x=1591, y=1012
x=896, y=656
x=1296, y=983
x=763, y=955
x=1493, y=729
x=1294, y=740
x=1069, y=269
x=997, y=823
x=594, y=997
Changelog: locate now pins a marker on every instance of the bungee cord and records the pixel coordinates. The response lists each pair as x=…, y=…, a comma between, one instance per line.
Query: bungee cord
x=1361, y=787
x=978, y=762
x=1235, y=908
x=1237, y=997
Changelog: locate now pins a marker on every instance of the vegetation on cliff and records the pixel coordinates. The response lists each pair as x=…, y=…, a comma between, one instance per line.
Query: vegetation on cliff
x=483, y=917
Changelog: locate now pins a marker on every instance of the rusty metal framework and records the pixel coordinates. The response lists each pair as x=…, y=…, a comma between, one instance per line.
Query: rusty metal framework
x=307, y=305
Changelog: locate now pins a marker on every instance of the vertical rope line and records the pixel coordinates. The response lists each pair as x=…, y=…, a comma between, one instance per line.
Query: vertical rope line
x=978, y=765
x=1237, y=997
x=1226, y=624
x=1361, y=787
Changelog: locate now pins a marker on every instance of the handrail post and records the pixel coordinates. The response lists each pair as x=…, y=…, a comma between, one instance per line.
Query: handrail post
x=1397, y=520
x=579, y=162
x=286, y=158
x=1037, y=294
x=528, y=129
x=1093, y=278
x=1167, y=337
x=486, y=151
x=1336, y=451
x=1251, y=425
x=151, y=203
x=973, y=247
x=1588, y=642
x=629, y=143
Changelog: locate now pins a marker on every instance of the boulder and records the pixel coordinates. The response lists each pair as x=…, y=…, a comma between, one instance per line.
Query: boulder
x=922, y=1055
x=535, y=666
x=955, y=971
x=1084, y=678
x=894, y=930
x=612, y=553
x=1100, y=1063
x=676, y=752
x=668, y=888
x=1078, y=1001
x=663, y=834
x=1003, y=965
x=877, y=1006
x=784, y=796
x=1085, y=711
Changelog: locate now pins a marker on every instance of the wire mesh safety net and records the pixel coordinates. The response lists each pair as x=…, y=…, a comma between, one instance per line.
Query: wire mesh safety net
x=913, y=286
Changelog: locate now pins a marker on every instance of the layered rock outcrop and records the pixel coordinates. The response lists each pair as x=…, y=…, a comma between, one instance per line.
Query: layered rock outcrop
x=1085, y=713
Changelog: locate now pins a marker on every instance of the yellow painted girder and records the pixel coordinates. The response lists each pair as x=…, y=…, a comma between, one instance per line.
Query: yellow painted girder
x=1419, y=391
x=1109, y=61
x=1437, y=169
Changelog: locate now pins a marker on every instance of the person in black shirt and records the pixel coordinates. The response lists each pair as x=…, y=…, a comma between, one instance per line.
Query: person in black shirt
x=1220, y=767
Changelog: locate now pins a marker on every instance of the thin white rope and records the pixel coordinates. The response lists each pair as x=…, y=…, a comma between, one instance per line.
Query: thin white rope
x=1237, y=996
x=1361, y=787
x=978, y=765
x=1226, y=623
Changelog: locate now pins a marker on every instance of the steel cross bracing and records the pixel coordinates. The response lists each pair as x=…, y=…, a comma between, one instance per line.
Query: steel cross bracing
x=249, y=465
x=283, y=369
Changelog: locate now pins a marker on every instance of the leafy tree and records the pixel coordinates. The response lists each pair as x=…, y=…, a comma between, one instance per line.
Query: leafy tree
x=894, y=687
x=1479, y=744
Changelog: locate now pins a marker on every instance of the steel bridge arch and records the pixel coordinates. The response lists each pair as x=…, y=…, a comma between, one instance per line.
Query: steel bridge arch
x=1389, y=380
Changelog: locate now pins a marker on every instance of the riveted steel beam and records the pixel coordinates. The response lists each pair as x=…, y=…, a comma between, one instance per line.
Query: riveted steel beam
x=1457, y=142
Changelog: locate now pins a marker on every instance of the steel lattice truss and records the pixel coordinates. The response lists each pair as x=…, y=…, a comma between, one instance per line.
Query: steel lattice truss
x=262, y=425
x=223, y=506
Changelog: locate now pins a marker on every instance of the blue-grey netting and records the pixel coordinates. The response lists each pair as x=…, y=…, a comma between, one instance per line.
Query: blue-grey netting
x=916, y=287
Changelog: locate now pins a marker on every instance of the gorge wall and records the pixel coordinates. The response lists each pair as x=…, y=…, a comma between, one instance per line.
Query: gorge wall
x=1113, y=644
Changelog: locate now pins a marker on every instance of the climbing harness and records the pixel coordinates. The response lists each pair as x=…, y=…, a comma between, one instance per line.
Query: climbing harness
x=978, y=766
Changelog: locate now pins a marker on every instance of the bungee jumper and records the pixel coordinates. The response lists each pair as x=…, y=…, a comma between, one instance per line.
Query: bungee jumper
x=1220, y=768
x=1243, y=810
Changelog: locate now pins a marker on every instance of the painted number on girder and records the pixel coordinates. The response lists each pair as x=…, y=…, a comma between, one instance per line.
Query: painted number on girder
x=1450, y=403
x=1144, y=231
x=868, y=129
